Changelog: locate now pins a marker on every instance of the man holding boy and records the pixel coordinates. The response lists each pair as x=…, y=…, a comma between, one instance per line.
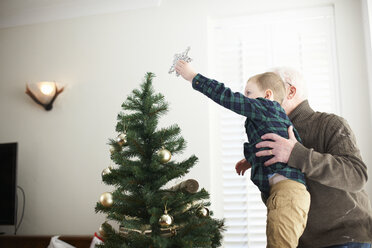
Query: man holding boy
x=340, y=214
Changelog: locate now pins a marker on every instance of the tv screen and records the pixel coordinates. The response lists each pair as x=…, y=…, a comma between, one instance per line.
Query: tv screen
x=8, y=184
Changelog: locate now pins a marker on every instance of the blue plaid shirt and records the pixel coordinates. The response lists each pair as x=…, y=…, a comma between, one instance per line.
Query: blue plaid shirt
x=263, y=116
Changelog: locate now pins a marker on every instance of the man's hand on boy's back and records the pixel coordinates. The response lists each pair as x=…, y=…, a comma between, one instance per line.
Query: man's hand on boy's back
x=185, y=70
x=281, y=148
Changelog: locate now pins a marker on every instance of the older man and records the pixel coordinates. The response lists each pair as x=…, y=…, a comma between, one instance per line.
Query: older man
x=340, y=212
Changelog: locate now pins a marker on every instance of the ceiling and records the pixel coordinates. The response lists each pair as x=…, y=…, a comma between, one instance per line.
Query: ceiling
x=24, y=12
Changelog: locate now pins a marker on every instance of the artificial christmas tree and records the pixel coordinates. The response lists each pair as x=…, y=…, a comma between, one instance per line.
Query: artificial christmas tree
x=150, y=215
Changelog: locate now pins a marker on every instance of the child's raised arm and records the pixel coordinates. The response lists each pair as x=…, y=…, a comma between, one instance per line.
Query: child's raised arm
x=185, y=70
x=235, y=101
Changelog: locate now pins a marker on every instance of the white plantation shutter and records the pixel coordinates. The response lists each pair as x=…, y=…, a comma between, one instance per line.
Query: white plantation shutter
x=244, y=46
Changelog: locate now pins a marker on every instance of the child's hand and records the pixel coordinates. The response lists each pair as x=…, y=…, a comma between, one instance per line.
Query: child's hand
x=242, y=166
x=185, y=70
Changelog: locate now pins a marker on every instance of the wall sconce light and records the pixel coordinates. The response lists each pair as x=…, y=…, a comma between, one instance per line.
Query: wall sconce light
x=45, y=93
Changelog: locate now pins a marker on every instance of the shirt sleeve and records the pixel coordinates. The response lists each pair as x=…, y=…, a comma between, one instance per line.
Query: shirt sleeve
x=235, y=101
x=340, y=166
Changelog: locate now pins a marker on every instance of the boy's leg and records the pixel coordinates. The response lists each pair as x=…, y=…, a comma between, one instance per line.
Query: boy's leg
x=287, y=209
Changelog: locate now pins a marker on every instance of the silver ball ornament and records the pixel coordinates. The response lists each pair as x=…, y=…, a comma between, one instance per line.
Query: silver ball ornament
x=122, y=139
x=165, y=220
x=204, y=212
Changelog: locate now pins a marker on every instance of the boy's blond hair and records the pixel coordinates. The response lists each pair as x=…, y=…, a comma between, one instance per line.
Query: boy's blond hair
x=270, y=80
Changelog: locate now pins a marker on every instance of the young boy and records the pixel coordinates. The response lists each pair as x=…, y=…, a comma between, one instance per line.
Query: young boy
x=288, y=201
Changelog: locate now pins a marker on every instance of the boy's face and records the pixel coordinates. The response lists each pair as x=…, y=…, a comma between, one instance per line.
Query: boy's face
x=252, y=91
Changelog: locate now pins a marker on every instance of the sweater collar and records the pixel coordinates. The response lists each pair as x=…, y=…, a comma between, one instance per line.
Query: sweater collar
x=301, y=112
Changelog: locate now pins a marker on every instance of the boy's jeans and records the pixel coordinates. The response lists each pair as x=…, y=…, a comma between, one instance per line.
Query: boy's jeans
x=351, y=245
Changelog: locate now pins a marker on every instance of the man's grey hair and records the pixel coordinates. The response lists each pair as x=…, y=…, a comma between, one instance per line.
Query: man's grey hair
x=291, y=76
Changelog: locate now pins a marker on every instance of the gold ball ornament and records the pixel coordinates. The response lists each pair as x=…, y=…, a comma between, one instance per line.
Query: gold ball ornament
x=164, y=155
x=106, y=199
x=165, y=220
x=112, y=149
x=107, y=171
x=204, y=212
x=101, y=231
x=187, y=207
x=122, y=139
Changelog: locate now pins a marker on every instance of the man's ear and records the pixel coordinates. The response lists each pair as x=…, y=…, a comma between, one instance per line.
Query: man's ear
x=292, y=92
x=269, y=94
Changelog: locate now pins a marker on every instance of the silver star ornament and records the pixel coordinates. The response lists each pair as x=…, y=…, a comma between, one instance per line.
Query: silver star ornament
x=180, y=56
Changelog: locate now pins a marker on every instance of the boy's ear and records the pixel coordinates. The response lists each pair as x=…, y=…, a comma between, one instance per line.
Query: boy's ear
x=269, y=94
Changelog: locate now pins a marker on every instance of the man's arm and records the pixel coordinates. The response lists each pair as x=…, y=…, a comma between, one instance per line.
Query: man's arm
x=340, y=166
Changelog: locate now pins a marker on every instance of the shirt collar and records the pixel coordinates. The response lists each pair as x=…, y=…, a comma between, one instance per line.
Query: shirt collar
x=301, y=112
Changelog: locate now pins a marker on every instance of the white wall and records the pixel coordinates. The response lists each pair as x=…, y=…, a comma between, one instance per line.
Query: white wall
x=101, y=59
x=366, y=8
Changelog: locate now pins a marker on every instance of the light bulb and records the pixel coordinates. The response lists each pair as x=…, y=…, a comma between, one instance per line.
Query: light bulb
x=46, y=88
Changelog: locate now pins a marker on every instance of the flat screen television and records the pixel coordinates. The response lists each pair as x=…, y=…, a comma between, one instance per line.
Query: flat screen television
x=8, y=183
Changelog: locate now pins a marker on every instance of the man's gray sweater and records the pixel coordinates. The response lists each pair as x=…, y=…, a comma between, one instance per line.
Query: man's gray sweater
x=340, y=210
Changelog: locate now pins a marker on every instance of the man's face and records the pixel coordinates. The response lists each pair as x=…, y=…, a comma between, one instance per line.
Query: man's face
x=252, y=91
